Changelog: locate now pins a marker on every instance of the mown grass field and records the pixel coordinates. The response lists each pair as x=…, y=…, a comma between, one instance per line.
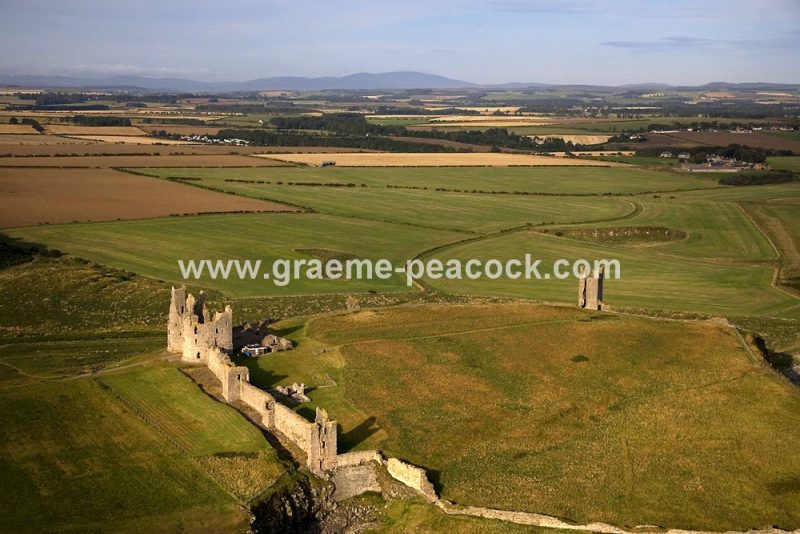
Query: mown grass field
x=648, y=280
x=714, y=229
x=198, y=423
x=75, y=459
x=464, y=212
x=224, y=443
x=153, y=247
x=593, y=417
x=556, y=180
x=788, y=163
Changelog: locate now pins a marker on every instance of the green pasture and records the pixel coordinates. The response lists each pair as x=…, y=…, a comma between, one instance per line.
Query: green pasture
x=75, y=459
x=650, y=422
x=551, y=180
x=648, y=280
x=153, y=247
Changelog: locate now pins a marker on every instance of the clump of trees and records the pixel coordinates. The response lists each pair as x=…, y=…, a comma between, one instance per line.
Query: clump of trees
x=99, y=120
x=355, y=125
x=33, y=123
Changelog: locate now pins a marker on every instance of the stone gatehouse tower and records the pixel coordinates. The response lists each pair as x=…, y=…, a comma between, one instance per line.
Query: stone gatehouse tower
x=590, y=290
x=192, y=330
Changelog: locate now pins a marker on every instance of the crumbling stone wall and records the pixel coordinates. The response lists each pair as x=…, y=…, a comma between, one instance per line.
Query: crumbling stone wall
x=413, y=477
x=202, y=339
x=191, y=331
x=359, y=458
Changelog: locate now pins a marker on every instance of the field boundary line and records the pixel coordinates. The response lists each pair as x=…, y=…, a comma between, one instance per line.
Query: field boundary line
x=139, y=413
x=776, y=275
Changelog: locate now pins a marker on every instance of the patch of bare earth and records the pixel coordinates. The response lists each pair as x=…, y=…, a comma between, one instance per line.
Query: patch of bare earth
x=53, y=196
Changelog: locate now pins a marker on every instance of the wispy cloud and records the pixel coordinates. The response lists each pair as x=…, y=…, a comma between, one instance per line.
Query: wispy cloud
x=667, y=43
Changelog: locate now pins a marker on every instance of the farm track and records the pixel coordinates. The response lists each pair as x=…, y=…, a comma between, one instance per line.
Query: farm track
x=88, y=374
x=787, y=255
x=635, y=210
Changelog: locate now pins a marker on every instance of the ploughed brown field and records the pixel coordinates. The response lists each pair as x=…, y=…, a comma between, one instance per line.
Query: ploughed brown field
x=87, y=148
x=211, y=160
x=755, y=140
x=53, y=196
x=28, y=139
x=17, y=129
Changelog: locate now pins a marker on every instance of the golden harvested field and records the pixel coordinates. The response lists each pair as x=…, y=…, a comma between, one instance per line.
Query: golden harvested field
x=132, y=140
x=211, y=160
x=490, y=121
x=579, y=139
x=26, y=139
x=54, y=196
x=17, y=129
x=483, y=110
x=595, y=153
x=171, y=114
x=66, y=129
x=386, y=159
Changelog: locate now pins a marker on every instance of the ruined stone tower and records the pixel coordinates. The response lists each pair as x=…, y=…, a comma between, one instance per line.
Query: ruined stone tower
x=191, y=329
x=590, y=290
x=322, y=450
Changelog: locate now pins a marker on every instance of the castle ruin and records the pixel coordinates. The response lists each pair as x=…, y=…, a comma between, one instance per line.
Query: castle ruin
x=590, y=289
x=204, y=339
x=192, y=330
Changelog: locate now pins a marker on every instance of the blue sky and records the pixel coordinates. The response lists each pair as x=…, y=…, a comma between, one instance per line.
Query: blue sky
x=489, y=41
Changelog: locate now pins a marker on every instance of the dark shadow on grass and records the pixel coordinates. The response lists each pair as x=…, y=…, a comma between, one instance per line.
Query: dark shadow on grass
x=286, y=332
x=435, y=477
x=358, y=434
x=259, y=377
x=784, y=486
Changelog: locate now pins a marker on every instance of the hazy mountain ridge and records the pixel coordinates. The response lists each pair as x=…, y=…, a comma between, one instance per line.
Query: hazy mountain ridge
x=359, y=81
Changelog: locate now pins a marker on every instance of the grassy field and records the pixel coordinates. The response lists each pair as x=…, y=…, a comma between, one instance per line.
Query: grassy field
x=555, y=180
x=793, y=136
x=41, y=361
x=386, y=159
x=666, y=282
x=594, y=417
x=788, y=163
x=197, y=422
x=75, y=459
x=233, y=451
x=781, y=221
x=465, y=212
x=72, y=299
x=714, y=229
x=153, y=247
x=758, y=193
